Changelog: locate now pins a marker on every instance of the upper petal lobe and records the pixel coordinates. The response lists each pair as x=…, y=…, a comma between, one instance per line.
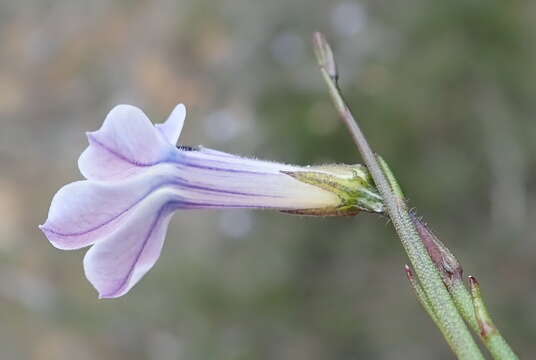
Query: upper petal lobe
x=172, y=127
x=126, y=144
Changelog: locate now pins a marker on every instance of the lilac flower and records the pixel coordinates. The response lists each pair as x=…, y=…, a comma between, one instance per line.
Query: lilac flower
x=137, y=178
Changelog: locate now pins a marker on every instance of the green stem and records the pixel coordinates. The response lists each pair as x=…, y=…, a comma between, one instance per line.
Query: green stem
x=391, y=178
x=464, y=303
x=451, y=271
x=450, y=321
x=492, y=338
x=421, y=295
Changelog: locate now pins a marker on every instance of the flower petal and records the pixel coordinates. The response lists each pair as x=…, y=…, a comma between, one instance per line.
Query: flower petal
x=115, y=264
x=242, y=182
x=85, y=211
x=172, y=127
x=126, y=144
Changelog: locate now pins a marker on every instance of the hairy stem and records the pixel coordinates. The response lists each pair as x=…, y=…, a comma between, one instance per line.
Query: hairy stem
x=448, y=318
x=451, y=272
x=421, y=295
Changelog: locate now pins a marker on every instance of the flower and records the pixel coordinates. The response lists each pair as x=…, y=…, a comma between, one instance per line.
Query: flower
x=137, y=178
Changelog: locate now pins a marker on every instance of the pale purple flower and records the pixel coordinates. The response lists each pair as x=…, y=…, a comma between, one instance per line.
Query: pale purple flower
x=137, y=178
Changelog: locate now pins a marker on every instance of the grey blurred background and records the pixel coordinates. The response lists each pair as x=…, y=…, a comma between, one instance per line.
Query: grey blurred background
x=444, y=89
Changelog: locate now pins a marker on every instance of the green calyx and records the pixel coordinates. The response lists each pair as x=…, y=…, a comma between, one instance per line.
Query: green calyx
x=352, y=184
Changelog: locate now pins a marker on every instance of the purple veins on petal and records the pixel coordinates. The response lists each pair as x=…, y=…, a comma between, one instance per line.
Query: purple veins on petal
x=127, y=142
x=116, y=263
x=137, y=178
x=85, y=211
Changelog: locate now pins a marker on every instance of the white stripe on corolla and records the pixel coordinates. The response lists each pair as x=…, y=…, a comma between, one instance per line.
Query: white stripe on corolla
x=136, y=179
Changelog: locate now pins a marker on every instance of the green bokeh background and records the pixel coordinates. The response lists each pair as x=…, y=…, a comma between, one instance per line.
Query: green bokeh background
x=444, y=90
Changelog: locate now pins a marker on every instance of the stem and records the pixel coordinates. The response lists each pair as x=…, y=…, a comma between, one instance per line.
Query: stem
x=421, y=295
x=492, y=338
x=391, y=178
x=466, y=303
x=450, y=321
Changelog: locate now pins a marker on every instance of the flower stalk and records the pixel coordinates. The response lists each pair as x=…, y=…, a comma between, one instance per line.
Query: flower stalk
x=449, y=320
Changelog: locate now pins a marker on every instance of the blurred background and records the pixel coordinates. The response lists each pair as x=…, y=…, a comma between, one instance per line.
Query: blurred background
x=444, y=90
